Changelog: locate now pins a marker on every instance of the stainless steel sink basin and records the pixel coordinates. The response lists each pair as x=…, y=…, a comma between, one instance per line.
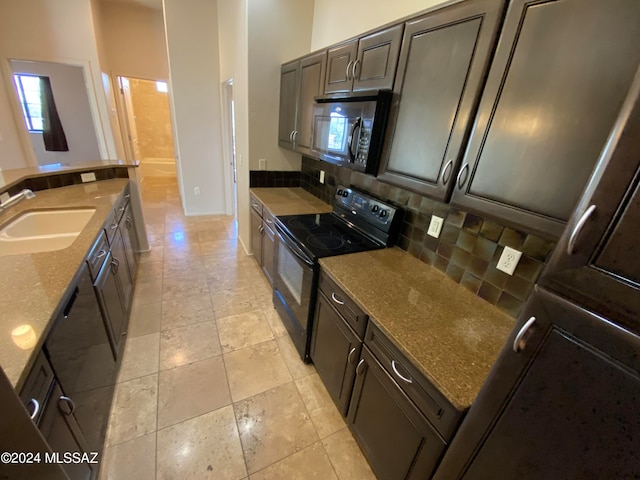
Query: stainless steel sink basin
x=43, y=230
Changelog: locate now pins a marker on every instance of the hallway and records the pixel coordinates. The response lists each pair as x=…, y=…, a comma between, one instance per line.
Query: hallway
x=210, y=385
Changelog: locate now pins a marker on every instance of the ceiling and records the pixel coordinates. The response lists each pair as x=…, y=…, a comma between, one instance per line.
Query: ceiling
x=155, y=4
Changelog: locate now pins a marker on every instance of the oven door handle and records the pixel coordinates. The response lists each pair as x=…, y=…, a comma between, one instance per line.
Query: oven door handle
x=294, y=248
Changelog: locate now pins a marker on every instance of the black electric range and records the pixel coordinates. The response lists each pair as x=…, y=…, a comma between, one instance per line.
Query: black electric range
x=358, y=223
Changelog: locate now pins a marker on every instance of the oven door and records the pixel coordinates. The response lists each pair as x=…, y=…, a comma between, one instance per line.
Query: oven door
x=293, y=289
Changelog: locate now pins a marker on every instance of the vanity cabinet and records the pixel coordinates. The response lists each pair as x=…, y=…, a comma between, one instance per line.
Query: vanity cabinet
x=443, y=63
x=368, y=63
x=300, y=82
x=263, y=237
x=130, y=240
x=558, y=79
x=336, y=341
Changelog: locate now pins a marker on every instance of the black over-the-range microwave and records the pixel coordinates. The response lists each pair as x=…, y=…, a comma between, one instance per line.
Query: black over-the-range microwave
x=349, y=131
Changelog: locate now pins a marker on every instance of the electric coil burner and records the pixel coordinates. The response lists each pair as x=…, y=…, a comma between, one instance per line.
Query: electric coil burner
x=358, y=223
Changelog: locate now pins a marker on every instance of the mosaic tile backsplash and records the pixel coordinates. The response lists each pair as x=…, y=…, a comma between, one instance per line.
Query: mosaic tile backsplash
x=468, y=248
x=268, y=178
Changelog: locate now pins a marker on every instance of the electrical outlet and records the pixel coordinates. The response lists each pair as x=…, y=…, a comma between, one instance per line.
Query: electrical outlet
x=262, y=164
x=88, y=177
x=196, y=190
x=435, y=227
x=321, y=176
x=509, y=260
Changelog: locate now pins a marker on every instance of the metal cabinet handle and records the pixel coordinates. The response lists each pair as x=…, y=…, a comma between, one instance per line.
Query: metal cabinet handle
x=261, y=230
x=523, y=330
x=347, y=73
x=295, y=134
x=353, y=70
x=127, y=196
x=36, y=408
x=336, y=299
x=395, y=370
x=351, y=357
x=460, y=180
x=113, y=226
x=128, y=223
x=360, y=367
x=268, y=220
x=116, y=265
x=121, y=209
x=573, y=238
x=447, y=167
x=101, y=254
x=69, y=402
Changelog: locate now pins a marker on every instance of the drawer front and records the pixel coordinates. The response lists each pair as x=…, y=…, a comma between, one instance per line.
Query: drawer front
x=255, y=204
x=97, y=256
x=122, y=204
x=444, y=417
x=355, y=317
x=111, y=226
x=37, y=386
x=268, y=219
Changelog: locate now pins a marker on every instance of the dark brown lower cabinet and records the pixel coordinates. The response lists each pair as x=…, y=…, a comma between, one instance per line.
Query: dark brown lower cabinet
x=335, y=350
x=61, y=431
x=268, y=246
x=561, y=405
x=396, y=438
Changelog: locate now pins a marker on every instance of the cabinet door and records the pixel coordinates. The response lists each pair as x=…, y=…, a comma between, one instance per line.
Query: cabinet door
x=443, y=63
x=597, y=261
x=60, y=430
x=107, y=287
x=311, y=85
x=339, y=77
x=256, y=236
x=268, y=251
x=130, y=239
x=289, y=80
x=119, y=258
x=335, y=350
x=570, y=411
x=396, y=439
x=559, y=77
x=375, y=66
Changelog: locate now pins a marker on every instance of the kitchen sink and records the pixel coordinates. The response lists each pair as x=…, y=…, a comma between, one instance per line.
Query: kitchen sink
x=43, y=230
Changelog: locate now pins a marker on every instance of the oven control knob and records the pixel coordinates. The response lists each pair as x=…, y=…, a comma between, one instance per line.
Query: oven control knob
x=339, y=192
x=383, y=213
x=375, y=208
x=345, y=194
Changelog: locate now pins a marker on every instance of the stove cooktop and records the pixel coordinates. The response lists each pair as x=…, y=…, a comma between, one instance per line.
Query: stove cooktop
x=325, y=234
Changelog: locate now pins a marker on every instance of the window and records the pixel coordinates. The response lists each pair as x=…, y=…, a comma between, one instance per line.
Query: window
x=28, y=87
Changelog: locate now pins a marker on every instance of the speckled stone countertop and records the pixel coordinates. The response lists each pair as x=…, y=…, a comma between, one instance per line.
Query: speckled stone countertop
x=32, y=286
x=290, y=201
x=11, y=177
x=451, y=335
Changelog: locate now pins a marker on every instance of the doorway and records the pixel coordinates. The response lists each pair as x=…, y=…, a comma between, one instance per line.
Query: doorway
x=146, y=124
x=229, y=147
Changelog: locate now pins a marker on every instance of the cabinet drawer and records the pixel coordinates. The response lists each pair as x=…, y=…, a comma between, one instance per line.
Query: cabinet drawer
x=444, y=417
x=37, y=386
x=256, y=205
x=268, y=219
x=355, y=317
x=96, y=258
x=122, y=204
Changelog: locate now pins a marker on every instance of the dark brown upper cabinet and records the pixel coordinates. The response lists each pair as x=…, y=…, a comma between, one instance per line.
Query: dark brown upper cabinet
x=365, y=64
x=300, y=82
x=560, y=74
x=597, y=261
x=443, y=63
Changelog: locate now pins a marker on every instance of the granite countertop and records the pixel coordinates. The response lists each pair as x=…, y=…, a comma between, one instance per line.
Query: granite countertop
x=451, y=335
x=9, y=178
x=32, y=286
x=290, y=201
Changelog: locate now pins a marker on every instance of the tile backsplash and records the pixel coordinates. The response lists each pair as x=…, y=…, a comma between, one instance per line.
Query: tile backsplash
x=269, y=178
x=469, y=245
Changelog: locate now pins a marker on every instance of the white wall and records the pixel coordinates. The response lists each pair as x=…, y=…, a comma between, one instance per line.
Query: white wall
x=11, y=154
x=72, y=103
x=338, y=20
x=62, y=32
x=279, y=30
x=192, y=45
x=234, y=65
x=134, y=40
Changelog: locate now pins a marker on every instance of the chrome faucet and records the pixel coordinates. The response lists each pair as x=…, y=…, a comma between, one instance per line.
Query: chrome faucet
x=26, y=193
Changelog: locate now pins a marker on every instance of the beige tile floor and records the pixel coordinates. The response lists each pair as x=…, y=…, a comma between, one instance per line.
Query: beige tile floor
x=211, y=387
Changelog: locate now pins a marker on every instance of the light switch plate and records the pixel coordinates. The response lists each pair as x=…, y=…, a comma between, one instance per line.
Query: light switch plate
x=262, y=164
x=509, y=260
x=88, y=177
x=321, y=176
x=435, y=227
